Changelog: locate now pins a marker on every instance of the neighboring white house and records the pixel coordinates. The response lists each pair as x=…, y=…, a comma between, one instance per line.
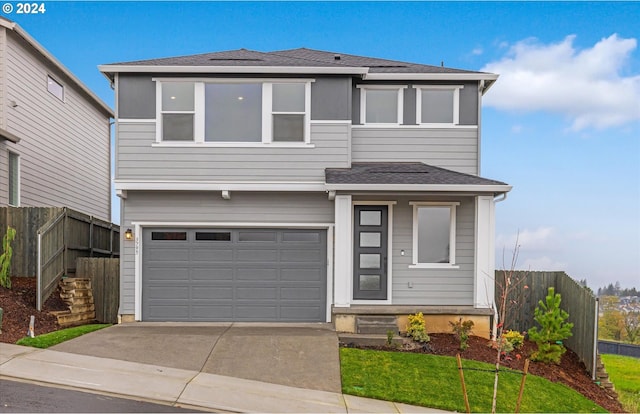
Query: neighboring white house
x=54, y=132
x=302, y=185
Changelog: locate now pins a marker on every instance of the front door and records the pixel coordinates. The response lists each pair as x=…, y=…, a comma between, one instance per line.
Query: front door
x=370, y=252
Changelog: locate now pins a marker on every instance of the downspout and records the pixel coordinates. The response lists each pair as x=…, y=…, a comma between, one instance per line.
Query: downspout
x=481, y=88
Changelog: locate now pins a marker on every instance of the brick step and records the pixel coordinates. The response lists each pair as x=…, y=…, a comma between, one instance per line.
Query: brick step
x=82, y=300
x=76, y=292
x=89, y=307
x=369, y=339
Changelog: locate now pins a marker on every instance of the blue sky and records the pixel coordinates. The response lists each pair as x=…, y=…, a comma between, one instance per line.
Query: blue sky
x=562, y=124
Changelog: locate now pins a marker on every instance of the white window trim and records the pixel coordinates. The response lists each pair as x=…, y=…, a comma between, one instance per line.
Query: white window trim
x=452, y=235
x=455, y=109
x=18, y=190
x=267, y=113
x=363, y=103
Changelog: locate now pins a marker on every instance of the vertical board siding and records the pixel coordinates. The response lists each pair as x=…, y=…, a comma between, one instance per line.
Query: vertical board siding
x=138, y=159
x=209, y=207
x=577, y=300
x=432, y=286
x=64, y=148
x=452, y=148
x=104, y=274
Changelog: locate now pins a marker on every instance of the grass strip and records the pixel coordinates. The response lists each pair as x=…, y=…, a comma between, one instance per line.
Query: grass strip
x=433, y=381
x=624, y=372
x=54, y=338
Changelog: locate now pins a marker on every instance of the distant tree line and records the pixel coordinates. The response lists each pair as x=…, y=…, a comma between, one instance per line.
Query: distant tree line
x=616, y=290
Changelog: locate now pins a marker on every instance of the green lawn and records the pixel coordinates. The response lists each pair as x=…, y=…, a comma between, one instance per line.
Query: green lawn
x=624, y=372
x=433, y=381
x=54, y=338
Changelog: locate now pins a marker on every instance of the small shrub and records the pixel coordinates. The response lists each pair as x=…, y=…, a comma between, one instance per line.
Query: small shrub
x=5, y=258
x=417, y=328
x=462, y=329
x=501, y=344
x=389, y=337
x=515, y=338
x=554, y=328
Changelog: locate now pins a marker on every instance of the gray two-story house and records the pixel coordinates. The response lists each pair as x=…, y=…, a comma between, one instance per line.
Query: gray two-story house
x=302, y=185
x=54, y=132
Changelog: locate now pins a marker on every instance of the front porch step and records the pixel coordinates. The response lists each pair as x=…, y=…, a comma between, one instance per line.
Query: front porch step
x=376, y=325
x=369, y=340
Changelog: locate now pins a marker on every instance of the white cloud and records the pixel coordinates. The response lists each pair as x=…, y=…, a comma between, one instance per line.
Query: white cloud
x=477, y=51
x=586, y=86
x=537, y=239
x=543, y=263
x=516, y=129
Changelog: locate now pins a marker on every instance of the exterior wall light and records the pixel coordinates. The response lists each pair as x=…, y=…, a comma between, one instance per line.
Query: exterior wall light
x=128, y=234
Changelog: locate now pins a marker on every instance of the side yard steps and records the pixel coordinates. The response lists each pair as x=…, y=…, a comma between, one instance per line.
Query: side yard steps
x=77, y=294
x=376, y=325
x=602, y=377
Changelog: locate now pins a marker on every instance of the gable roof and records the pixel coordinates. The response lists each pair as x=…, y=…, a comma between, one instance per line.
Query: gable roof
x=10, y=25
x=407, y=176
x=301, y=60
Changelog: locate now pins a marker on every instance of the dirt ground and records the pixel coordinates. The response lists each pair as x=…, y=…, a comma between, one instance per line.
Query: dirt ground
x=19, y=303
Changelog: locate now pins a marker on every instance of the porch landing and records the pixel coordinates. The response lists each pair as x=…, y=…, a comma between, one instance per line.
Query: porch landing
x=380, y=319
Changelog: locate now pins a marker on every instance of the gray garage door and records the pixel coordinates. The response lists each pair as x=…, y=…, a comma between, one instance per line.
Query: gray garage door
x=234, y=275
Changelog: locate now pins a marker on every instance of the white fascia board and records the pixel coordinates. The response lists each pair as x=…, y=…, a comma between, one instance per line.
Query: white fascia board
x=218, y=186
x=52, y=59
x=432, y=76
x=421, y=187
x=311, y=70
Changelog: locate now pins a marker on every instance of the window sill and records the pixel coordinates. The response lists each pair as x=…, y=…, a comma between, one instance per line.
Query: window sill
x=434, y=266
x=233, y=145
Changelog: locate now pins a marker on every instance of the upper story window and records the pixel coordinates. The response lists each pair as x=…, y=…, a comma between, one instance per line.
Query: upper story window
x=234, y=111
x=55, y=88
x=438, y=104
x=381, y=104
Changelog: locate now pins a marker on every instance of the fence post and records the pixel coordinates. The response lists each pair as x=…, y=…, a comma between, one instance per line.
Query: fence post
x=595, y=340
x=39, y=275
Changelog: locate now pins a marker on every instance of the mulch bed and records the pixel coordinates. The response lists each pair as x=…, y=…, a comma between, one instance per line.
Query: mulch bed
x=19, y=303
x=570, y=371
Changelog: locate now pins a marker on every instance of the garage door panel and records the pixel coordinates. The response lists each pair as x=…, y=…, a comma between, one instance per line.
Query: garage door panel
x=168, y=273
x=302, y=275
x=211, y=274
x=211, y=293
x=256, y=273
x=234, y=275
x=211, y=255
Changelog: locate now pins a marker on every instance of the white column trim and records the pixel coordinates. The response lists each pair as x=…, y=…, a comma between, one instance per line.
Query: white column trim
x=138, y=272
x=484, y=280
x=343, y=251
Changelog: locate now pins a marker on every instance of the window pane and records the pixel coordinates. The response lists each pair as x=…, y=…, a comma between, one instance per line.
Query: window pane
x=437, y=106
x=382, y=106
x=233, y=112
x=369, y=282
x=55, y=88
x=369, y=261
x=169, y=235
x=370, y=218
x=177, y=127
x=14, y=179
x=288, y=97
x=369, y=239
x=177, y=96
x=213, y=236
x=301, y=237
x=288, y=128
x=433, y=234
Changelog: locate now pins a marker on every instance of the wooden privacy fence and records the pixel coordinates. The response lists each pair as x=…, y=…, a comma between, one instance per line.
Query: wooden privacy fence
x=26, y=221
x=577, y=300
x=104, y=274
x=65, y=238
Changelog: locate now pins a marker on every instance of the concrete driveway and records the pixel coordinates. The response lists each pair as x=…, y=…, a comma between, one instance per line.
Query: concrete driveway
x=296, y=355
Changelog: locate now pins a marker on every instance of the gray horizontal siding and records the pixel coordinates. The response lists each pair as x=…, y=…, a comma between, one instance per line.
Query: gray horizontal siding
x=208, y=207
x=452, y=148
x=64, y=148
x=433, y=286
x=138, y=159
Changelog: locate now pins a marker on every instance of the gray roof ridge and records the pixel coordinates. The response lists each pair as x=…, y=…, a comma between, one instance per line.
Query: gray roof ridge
x=187, y=56
x=445, y=170
x=337, y=62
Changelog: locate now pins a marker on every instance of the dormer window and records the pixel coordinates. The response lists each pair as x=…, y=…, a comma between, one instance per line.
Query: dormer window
x=381, y=104
x=438, y=105
x=234, y=112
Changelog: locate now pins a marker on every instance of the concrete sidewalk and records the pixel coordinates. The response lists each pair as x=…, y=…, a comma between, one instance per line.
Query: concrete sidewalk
x=180, y=387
